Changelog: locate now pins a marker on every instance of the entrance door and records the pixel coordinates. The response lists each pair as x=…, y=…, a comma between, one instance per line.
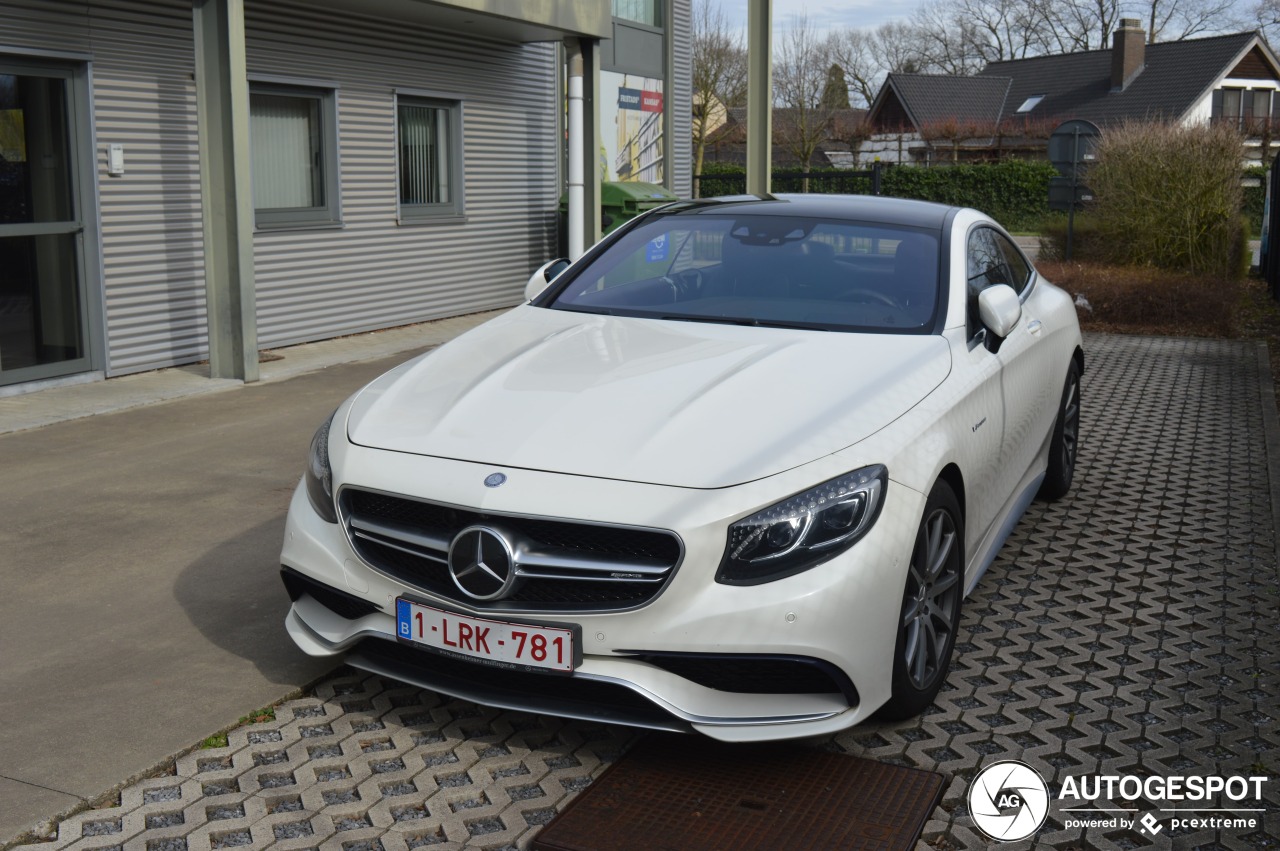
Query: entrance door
x=43, y=321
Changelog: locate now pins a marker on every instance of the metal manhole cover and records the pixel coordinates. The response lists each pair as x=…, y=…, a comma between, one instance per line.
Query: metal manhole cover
x=693, y=794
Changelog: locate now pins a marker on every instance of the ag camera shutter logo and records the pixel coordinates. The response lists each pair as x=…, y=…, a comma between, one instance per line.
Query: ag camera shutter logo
x=1008, y=800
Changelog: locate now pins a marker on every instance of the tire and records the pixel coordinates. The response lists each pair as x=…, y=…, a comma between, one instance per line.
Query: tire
x=930, y=612
x=1065, y=444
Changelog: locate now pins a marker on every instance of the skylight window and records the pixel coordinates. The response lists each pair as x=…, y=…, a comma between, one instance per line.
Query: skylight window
x=1030, y=103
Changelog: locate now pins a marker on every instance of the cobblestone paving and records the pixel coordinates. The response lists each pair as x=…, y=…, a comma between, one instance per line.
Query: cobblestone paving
x=365, y=765
x=1131, y=628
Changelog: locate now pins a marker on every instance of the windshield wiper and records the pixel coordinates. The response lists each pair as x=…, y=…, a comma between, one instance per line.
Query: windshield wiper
x=749, y=321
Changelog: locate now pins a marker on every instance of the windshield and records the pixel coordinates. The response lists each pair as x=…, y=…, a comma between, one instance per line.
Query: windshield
x=777, y=271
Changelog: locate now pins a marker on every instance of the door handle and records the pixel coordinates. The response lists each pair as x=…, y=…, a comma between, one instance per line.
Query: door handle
x=1034, y=326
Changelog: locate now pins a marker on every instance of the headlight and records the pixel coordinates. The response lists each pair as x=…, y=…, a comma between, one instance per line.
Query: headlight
x=804, y=530
x=319, y=475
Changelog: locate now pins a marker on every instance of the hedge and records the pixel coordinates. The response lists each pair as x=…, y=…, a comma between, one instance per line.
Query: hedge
x=1014, y=192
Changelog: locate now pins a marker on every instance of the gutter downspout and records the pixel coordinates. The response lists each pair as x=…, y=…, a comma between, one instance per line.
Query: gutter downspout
x=577, y=199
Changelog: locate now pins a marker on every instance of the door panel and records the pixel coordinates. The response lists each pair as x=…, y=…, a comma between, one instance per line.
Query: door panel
x=42, y=316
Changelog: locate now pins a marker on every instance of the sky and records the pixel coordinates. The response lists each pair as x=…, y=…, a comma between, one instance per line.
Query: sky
x=824, y=14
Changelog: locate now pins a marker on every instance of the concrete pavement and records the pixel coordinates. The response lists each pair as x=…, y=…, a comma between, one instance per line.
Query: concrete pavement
x=142, y=609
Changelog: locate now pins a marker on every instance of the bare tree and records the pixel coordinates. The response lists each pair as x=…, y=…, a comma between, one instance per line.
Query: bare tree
x=945, y=39
x=901, y=48
x=1074, y=25
x=1175, y=20
x=1266, y=17
x=851, y=127
x=719, y=74
x=854, y=51
x=799, y=78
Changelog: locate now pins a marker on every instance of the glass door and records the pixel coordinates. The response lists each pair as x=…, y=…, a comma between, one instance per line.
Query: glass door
x=42, y=311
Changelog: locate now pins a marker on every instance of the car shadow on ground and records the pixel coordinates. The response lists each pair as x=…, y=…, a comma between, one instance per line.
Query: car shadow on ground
x=234, y=597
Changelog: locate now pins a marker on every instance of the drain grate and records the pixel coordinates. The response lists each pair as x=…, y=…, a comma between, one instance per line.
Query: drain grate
x=694, y=794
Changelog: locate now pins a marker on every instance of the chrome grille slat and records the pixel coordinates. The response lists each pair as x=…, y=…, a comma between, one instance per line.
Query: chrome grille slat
x=562, y=565
x=568, y=560
x=397, y=532
x=379, y=539
x=581, y=578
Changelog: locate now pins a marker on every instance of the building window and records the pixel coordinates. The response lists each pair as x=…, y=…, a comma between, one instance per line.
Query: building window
x=293, y=139
x=1243, y=108
x=638, y=11
x=430, y=152
x=1030, y=104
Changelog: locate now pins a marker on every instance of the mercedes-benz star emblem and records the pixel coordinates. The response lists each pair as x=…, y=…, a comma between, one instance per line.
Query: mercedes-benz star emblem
x=493, y=480
x=481, y=563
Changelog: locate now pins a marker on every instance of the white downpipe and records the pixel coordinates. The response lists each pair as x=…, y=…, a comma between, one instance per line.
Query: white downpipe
x=577, y=192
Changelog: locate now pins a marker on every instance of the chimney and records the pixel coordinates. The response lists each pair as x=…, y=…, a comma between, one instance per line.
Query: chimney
x=1128, y=46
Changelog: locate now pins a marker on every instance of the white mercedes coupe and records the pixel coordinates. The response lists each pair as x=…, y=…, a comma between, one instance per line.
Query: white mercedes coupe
x=732, y=471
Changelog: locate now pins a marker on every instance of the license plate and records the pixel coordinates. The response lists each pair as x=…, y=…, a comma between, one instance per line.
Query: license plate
x=500, y=643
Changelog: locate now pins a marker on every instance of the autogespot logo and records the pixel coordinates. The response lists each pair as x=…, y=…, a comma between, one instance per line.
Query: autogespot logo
x=1008, y=800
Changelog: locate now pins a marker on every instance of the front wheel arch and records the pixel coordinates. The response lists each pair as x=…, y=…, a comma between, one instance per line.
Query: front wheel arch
x=929, y=616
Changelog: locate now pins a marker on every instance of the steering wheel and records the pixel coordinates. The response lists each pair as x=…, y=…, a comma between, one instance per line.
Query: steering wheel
x=686, y=284
x=864, y=295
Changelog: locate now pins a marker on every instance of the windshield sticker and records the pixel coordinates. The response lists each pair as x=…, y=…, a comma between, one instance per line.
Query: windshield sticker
x=657, y=249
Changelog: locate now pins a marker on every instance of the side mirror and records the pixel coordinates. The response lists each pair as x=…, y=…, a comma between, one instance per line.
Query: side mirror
x=999, y=309
x=546, y=273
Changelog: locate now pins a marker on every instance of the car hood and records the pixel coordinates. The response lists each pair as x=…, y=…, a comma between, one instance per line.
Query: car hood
x=665, y=402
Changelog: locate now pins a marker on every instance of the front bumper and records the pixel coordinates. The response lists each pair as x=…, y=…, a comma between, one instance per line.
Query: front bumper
x=841, y=614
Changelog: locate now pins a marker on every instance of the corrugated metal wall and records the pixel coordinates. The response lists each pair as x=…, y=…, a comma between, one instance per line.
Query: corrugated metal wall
x=144, y=98
x=314, y=284
x=682, y=98
x=374, y=273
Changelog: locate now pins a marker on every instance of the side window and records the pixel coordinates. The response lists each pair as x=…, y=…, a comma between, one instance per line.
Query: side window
x=1018, y=268
x=293, y=146
x=985, y=267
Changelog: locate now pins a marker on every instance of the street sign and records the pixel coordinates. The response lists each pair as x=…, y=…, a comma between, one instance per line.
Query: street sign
x=1072, y=148
x=1073, y=143
x=1062, y=193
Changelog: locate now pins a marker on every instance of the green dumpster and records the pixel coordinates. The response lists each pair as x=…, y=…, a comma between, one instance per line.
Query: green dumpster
x=620, y=201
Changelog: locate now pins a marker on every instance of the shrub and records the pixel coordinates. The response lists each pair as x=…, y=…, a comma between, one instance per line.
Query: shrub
x=1014, y=192
x=1086, y=238
x=1144, y=299
x=1169, y=196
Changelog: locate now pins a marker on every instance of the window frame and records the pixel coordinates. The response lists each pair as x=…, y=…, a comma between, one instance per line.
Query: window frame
x=1004, y=246
x=453, y=210
x=328, y=214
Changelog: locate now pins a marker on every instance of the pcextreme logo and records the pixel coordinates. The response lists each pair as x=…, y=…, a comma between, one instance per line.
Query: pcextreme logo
x=1009, y=801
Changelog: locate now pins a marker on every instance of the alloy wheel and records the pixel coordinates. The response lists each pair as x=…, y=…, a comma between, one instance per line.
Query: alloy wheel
x=1070, y=424
x=929, y=606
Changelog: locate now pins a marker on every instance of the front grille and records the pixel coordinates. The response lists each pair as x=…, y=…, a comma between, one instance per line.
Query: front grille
x=563, y=566
x=745, y=674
